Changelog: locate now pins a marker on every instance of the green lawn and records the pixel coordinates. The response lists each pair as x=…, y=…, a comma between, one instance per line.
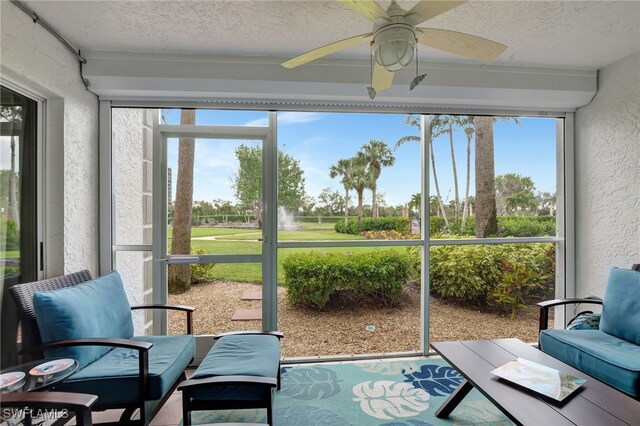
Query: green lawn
x=245, y=241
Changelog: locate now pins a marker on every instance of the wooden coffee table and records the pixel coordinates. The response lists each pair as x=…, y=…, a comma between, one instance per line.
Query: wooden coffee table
x=594, y=404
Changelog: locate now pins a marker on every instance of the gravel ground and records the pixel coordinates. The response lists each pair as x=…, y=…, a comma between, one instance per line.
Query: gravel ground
x=340, y=328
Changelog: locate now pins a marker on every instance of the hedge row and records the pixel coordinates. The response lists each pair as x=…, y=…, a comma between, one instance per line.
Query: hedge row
x=388, y=223
x=312, y=278
x=508, y=226
x=314, y=219
x=503, y=276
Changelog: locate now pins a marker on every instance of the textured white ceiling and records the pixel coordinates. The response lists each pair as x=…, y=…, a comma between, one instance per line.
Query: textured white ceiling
x=564, y=34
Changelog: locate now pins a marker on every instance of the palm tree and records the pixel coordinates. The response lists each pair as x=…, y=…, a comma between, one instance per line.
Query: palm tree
x=13, y=115
x=467, y=124
x=344, y=168
x=413, y=122
x=361, y=179
x=443, y=124
x=486, y=217
x=416, y=203
x=522, y=201
x=375, y=155
x=180, y=275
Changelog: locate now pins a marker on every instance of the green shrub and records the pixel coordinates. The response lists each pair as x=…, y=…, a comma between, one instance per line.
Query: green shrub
x=201, y=272
x=388, y=235
x=312, y=278
x=508, y=226
x=502, y=276
x=388, y=223
x=525, y=227
x=436, y=225
x=469, y=228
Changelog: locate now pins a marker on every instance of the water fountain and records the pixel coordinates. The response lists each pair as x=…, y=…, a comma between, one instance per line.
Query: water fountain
x=285, y=220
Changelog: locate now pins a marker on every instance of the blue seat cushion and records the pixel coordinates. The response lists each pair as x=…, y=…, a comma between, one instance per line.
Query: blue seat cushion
x=601, y=355
x=621, y=306
x=114, y=377
x=95, y=308
x=239, y=355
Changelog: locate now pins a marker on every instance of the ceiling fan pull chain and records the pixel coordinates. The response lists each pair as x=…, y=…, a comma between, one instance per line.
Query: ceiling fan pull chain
x=418, y=78
x=370, y=90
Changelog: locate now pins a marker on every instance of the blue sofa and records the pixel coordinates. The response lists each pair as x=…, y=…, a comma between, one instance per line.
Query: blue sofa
x=610, y=353
x=90, y=321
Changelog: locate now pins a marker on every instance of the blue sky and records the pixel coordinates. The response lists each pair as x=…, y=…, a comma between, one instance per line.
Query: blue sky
x=319, y=140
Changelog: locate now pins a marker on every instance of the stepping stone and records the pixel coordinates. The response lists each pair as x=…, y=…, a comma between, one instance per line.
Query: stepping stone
x=247, y=315
x=251, y=295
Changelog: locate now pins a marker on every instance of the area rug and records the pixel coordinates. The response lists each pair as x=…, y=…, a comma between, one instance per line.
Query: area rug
x=391, y=393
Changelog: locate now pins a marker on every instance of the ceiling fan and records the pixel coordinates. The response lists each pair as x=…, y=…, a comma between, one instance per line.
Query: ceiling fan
x=394, y=37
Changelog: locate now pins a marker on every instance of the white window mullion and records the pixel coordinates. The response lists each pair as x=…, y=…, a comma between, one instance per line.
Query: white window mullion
x=425, y=226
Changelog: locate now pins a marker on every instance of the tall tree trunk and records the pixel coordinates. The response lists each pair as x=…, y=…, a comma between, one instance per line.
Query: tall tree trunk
x=374, y=202
x=465, y=209
x=346, y=206
x=486, y=220
x=435, y=182
x=455, y=169
x=180, y=275
x=360, y=196
x=13, y=215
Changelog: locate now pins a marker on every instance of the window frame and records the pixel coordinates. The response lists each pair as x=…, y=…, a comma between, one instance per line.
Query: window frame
x=565, y=214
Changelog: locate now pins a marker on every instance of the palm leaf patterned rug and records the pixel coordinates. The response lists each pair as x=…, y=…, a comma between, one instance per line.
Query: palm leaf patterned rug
x=387, y=393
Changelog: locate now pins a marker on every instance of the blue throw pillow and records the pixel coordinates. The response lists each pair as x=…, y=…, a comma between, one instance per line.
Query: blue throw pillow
x=96, y=308
x=621, y=307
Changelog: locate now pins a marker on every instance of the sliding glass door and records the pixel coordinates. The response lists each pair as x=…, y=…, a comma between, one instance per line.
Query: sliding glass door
x=20, y=248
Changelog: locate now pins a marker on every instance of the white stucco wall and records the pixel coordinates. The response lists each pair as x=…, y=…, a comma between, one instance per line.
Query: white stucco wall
x=132, y=136
x=32, y=58
x=607, y=176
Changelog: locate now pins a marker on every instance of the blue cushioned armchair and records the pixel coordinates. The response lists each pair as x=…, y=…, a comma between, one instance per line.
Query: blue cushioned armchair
x=90, y=321
x=610, y=353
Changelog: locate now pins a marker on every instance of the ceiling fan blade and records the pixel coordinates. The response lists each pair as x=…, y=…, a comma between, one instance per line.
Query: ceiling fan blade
x=367, y=8
x=325, y=50
x=461, y=44
x=428, y=9
x=382, y=79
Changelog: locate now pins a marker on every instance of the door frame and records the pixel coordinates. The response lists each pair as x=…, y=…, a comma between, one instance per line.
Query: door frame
x=268, y=257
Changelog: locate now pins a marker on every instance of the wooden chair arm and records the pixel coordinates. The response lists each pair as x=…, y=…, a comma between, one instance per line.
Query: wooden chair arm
x=544, y=308
x=188, y=309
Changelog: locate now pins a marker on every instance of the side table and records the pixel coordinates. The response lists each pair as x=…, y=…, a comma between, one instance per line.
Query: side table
x=40, y=376
x=43, y=380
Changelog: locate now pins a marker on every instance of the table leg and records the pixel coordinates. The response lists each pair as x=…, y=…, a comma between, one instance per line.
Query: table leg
x=454, y=399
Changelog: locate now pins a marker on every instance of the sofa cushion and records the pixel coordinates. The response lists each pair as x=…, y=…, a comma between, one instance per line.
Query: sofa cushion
x=621, y=307
x=605, y=357
x=239, y=355
x=114, y=377
x=96, y=308
x=585, y=321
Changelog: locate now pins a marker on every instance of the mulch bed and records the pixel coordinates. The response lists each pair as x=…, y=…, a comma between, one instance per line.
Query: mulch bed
x=345, y=328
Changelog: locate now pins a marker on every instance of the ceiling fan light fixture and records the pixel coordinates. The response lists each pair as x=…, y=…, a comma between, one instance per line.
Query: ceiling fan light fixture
x=394, y=47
